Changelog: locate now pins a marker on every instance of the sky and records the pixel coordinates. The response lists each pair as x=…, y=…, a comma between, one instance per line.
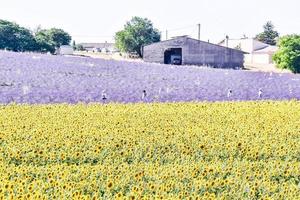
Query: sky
x=99, y=20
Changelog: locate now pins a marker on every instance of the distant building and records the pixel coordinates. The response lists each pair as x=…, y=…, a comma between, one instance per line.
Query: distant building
x=100, y=47
x=259, y=52
x=188, y=51
x=65, y=50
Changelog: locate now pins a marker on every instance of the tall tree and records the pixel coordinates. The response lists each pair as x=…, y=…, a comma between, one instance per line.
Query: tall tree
x=44, y=42
x=288, y=55
x=136, y=33
x=50, y=39
x=269, y=35
x=59, y=37
x=15, y=38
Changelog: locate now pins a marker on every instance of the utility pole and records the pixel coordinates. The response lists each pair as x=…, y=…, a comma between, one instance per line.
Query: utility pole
x=199, y=31
x=227, y=40
x=166, y=34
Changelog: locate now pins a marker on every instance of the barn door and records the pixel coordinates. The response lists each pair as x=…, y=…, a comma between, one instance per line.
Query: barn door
x=173, y=56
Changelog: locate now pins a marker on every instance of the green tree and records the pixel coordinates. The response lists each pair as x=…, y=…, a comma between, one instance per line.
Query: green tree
x=136, y=33
x=44, y=42
x=15, y=38
x=269, y=35
x=59, y=37
x=48, y=40
x=288, y=55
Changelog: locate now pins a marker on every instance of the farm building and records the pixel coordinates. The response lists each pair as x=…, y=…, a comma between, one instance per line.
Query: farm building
x=258, y=52
x=65, y=50
x=188, y=51
x=100, y=47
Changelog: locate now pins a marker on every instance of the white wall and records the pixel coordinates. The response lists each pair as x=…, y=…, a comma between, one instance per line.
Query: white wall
x=262, y=58
x=66, y=50
x=248, y=58
x=248, y=45
x=245, y=44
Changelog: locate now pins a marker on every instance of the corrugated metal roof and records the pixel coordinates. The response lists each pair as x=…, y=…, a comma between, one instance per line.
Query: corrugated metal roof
x=189, y=38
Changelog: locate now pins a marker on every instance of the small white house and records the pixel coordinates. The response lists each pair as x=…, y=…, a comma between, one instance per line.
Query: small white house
x=65, y=50
x=259, y=52
x=264, y=56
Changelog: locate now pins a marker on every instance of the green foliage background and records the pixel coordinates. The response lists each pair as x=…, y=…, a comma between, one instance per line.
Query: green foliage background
x=136, y=33
x=269, y=35
x=288, y=56
x=16, y=38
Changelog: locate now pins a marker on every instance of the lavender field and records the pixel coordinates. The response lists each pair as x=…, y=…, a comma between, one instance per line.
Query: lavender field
x=35, y=78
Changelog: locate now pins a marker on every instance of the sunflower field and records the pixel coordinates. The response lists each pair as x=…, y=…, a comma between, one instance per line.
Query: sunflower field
x=241, y=150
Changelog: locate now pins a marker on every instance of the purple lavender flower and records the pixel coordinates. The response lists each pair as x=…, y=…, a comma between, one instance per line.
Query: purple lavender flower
x=36, y=78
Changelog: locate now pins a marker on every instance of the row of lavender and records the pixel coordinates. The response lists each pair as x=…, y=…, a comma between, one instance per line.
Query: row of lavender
x=35, y=78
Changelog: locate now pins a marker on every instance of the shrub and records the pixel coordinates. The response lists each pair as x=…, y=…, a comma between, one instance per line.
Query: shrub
x=288, y=56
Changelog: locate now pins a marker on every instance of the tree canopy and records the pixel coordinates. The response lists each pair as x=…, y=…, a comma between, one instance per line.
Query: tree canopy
x=15, y=38
x=44, y=43
x=269, y=35
x=50, y=39
x=59, y=37
x=288, y=56
x=136, y=33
